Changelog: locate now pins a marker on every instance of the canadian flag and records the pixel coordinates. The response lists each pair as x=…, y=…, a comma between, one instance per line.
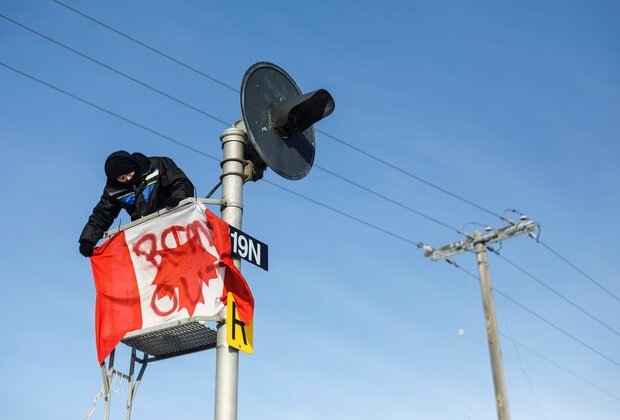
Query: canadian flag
x=174, y=266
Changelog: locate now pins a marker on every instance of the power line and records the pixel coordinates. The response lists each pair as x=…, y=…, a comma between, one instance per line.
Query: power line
x=180, y=143
x=339, y=140
x=147, y=46
x=211, y=116
x=525, y=373
x=214, y=158
x=330, y=136
x=555, y=326
x=580, y=271
x=409, y=174
x=368, y=224
x=540, y=317
x=107, y=111
x=559, y=366
x=333, y=174
x=555, y=292
x=342, y=213
x=384, y=197
x=537, y=315
x=114, y=70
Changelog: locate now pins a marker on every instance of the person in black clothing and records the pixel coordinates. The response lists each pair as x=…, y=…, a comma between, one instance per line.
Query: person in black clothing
x=139, y=184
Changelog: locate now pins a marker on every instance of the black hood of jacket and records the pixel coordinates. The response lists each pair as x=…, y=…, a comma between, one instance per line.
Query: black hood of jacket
x=130, y=162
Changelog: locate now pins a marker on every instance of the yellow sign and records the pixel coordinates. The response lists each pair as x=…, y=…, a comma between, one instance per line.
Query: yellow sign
x=238, y=334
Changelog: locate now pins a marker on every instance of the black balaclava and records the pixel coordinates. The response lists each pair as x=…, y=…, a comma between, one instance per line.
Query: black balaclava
x=120, y=163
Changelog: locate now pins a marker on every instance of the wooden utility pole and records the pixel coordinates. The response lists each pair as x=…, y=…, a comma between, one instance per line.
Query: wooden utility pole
x=499, y=381
x=479, y=243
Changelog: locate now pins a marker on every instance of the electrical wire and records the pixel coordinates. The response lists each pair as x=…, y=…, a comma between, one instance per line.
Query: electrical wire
x=332, y=173
x=332, y=137
x=536, y=237
x=579, y=270
x=354, y=218
x=555, y=292
x=147, y=46
x=524, y=370
x=223, y=122
x=390, y=200
x=326, y=134
x=540, y=317
x=116, y=71
x=559, y=366
x=112, y=113
x=555, y=326
x=180, y=143
x=342, y=213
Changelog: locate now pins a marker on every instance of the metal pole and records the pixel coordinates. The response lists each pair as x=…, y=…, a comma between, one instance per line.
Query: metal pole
x=499, y=382
x=106, y=390
x=130, y=389
x=227, y=358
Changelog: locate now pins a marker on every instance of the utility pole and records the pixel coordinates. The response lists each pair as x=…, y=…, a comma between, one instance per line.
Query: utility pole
x=479, y=243
x=227, y=358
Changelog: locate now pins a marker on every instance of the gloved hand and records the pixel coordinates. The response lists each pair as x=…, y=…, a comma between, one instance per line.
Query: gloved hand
x=172, y=201
x=86, y=248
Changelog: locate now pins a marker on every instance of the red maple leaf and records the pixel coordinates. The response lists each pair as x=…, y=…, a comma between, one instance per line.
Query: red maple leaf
x=185, y=268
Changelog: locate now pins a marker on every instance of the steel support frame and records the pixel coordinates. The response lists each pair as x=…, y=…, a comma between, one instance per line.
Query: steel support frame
x=133, y=382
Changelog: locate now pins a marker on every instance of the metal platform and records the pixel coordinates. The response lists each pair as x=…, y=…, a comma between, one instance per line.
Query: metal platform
x=160, y=342
x=173, y=339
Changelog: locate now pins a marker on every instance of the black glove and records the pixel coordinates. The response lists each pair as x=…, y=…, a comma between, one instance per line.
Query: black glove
x=86, y=248
x=172, y=201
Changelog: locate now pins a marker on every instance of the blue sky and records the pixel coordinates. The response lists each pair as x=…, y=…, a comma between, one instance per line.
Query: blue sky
x=508, y=105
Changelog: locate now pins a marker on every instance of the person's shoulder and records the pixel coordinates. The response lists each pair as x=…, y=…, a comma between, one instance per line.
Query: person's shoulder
x=159, y=159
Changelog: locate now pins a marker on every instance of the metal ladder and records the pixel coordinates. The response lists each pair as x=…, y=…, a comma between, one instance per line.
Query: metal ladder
x=156, y=343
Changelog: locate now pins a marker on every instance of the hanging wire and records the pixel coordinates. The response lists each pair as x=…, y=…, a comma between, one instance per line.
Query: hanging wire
x=559, y=366
x=524, y=370
x=93, y=405
x=548, y=359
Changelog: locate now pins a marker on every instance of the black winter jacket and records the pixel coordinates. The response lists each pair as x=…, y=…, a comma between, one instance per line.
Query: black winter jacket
x=161, y=178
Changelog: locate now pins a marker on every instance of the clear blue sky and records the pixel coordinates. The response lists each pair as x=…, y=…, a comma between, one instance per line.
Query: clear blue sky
x=509, y=105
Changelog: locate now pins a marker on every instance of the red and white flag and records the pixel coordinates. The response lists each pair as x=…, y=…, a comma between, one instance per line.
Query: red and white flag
x=174, y=266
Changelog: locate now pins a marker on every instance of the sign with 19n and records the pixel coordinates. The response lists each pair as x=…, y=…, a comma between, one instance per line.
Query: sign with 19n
x=250, y=249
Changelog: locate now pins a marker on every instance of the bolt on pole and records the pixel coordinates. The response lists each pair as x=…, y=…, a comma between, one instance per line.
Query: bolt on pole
x=227, y=358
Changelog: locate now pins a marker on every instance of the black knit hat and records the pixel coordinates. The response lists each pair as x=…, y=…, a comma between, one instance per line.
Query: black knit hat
x=120, y=163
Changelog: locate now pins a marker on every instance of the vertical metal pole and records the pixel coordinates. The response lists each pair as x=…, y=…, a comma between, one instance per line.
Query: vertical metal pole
x=499, y=382
x=130, y=384
x=227, y=358
x=105, y=378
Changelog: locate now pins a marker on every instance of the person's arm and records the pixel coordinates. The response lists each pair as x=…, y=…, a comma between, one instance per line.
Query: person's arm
x=102, y=218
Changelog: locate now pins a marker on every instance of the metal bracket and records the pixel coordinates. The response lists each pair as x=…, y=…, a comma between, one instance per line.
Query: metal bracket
x=188, y=200
x=486, y=239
